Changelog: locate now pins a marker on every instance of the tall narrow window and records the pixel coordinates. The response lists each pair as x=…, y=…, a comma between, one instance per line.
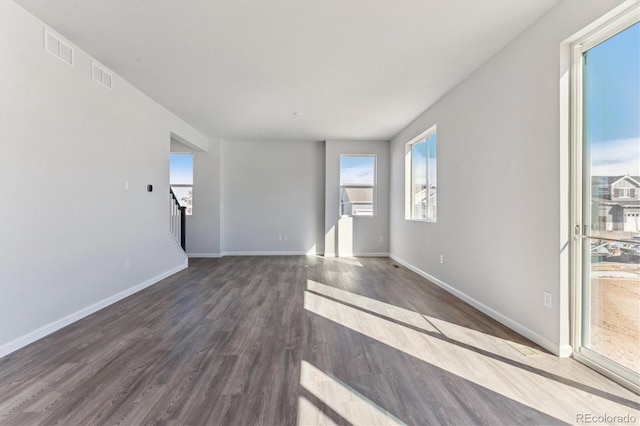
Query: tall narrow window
x=422, y=177
x=181, y=179
x=607, y=198
x=357, y=185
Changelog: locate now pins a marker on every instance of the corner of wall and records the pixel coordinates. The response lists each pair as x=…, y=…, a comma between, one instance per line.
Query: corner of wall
x=553, y=347
x=47, y=329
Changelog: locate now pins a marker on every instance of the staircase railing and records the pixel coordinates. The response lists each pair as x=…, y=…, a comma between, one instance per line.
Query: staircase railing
x=178, y=222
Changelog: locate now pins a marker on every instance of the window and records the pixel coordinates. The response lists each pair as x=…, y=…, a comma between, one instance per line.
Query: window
x=623, y=193
x=606, y=154
x=181, y=179
x=421, y=178
x=357, y=185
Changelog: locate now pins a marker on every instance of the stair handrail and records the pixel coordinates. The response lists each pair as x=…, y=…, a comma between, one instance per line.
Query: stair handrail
x=178, y=221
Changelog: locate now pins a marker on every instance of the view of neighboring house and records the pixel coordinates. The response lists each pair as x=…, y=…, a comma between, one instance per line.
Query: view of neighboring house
x=356, y=200
x=420, y=203
x=616, y=203
x=357, y=184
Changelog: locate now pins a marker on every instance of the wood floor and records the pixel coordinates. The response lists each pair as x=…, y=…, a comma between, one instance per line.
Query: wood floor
x=296, y=340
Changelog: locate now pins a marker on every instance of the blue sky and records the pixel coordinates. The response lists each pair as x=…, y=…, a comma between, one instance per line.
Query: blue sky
x=357, y=170
x=181, y=169
x=612, y=104
x=418, y=157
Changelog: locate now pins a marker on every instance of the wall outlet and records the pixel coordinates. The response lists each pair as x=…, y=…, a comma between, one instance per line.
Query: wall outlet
x=284, y=238
x=279, y=237
x=442, y=258
x=126, y=264
x=126, y=185
x=381, y=239
x=547, y=299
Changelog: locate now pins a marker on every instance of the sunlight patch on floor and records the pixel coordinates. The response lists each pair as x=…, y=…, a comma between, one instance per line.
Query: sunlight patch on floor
x=481, y=340
x=346, y=260
x=427, y=323
x=542, y=393
x=309, y=414
x=390, y=311
x=339, y=397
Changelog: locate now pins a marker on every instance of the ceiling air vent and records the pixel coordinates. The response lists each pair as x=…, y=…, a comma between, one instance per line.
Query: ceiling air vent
x=101, y=75
x=58, y=48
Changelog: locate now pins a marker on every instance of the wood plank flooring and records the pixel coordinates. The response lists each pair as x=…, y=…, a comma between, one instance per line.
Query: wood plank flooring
x=296, y=340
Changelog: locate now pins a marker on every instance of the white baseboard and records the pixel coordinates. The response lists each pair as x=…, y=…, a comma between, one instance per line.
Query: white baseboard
x=41, y=332
x=554, y=348
x=204, y=255
x=357, y=255
x=178, y=246
x=565, y=351
x=264, y=253
x=278, y=253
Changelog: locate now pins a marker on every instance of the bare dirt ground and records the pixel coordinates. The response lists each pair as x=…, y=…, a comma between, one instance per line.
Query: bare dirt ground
x=615, y=312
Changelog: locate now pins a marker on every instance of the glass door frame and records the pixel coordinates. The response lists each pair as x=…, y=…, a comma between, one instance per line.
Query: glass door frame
x=581, y=190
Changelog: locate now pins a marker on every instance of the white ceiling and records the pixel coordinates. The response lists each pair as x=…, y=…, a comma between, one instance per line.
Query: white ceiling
x=240, y=69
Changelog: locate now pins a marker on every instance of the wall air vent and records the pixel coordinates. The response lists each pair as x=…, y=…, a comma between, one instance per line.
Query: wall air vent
x=101, y=75
x=58, y=48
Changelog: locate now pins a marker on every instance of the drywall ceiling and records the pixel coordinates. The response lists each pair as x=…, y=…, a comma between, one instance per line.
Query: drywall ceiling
x=241, y=69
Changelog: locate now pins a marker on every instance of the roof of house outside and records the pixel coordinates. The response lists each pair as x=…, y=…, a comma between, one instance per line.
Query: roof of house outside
x=357, y=194
x=608, y=180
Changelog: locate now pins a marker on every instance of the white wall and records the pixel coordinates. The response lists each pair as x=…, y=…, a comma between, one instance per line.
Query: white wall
x=356, y=235
x=499, y=179
x=67, y=224
x=271, y=189
x=203, y=226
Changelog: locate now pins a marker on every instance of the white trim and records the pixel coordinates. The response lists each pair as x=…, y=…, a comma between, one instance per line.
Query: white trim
x=423, y=220
x=613, y=374
x=424, y=135
x=347, y=255
x=204, y=255
x=374, y=187
x=626, y=16
x=282, y=253
x=616, y=21
x=554, y=348
x=178, y=246
x=575, y=225
x=265, y=253
x=565, y=351
x=409, y=195
x=41, y=332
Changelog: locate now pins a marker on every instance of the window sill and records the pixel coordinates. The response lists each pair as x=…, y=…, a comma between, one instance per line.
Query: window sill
x=422, y=220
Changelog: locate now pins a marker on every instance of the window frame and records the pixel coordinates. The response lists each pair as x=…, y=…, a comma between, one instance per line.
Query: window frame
x=622, y=20
x=409, y=178
x=188, y=208
x=374, y=196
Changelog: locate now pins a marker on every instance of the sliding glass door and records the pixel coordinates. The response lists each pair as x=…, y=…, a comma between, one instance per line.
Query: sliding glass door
x=607, y=189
